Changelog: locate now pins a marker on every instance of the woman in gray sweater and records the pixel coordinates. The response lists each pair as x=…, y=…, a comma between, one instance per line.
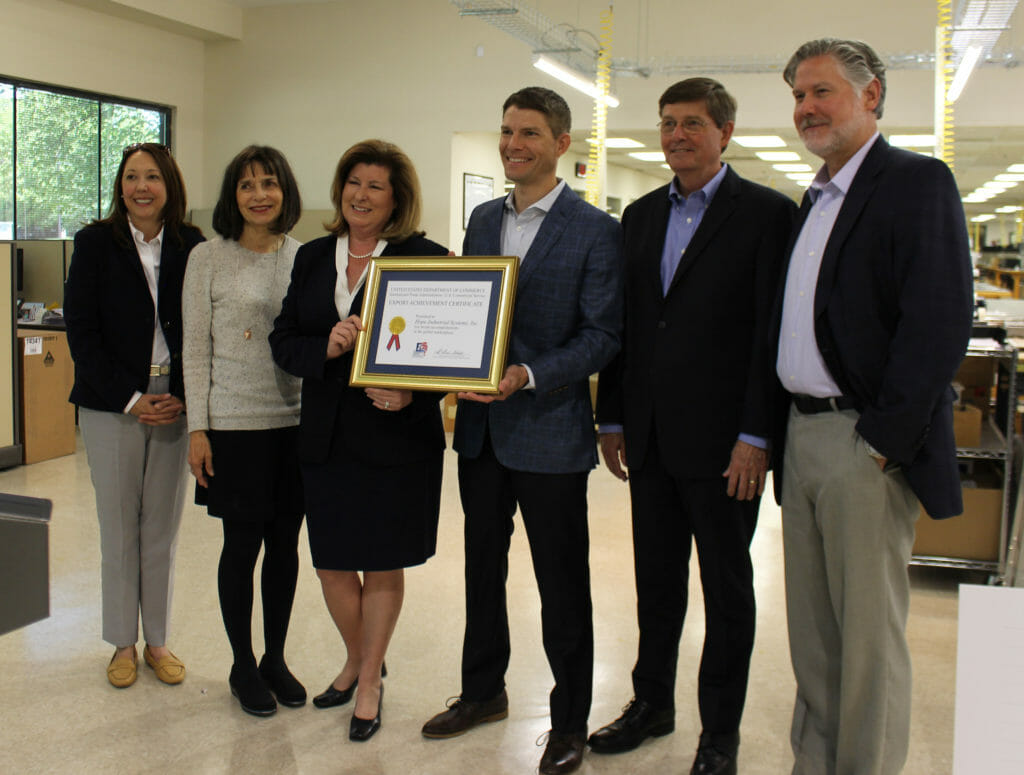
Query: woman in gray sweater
x=243, y=414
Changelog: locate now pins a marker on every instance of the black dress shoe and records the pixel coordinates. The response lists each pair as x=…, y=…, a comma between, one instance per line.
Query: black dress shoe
x=360, y=730
x=639, y=720
x=332, y=698
x=282, y=683
x=253, y=695
x=462, y=715
x=711, y=761
x=564, y=753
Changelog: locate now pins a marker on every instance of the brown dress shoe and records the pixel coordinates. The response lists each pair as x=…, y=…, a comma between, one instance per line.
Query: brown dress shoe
x=462, y=715
x=122, y=672
x=563, y=754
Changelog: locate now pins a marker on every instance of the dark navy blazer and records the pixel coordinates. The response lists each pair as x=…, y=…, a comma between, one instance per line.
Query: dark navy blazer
x=333, y=413
x=893, y=308
x=109, y=314
x=698, y=359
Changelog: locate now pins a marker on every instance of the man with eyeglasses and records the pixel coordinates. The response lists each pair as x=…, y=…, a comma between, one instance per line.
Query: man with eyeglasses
x=686, y=403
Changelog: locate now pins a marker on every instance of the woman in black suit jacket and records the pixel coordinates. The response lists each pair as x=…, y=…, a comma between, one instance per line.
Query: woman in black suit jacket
x=371, y=459
x=122, y=306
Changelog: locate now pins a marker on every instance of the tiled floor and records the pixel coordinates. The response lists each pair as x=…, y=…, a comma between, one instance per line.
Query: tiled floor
x=59, y=714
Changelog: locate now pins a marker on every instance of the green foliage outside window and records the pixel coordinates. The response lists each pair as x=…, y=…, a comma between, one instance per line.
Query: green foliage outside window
x=58, y=157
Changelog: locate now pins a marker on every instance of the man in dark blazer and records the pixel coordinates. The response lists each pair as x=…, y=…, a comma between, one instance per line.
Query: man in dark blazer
x=532, y=446
x=873, y=319
x=686, y=403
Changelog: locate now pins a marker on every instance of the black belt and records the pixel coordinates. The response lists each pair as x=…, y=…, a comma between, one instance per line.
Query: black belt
x=813, y=405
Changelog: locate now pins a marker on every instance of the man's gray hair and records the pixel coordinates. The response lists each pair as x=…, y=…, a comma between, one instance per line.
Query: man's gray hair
x=857, y=60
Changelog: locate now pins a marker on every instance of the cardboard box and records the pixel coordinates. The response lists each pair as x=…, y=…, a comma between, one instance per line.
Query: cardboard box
x=974, y=535
x=977, y=375
x=448, y=406
x=47, y=374
x=967, y=420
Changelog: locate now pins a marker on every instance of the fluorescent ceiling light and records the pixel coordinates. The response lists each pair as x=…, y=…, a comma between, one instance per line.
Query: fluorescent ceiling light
x=648, y=155
x=778, y=155
x=998, y=185
x=800, y=176
x=974, y=199
x=759, y=141
x=1015, y=168
x=617, y=142
x=572, y=78
x=665, y=166
x=792, y=167
x=983, y=218
x=963, y=72
x=912, y=141
x=1009, y=209
x=1015, y=177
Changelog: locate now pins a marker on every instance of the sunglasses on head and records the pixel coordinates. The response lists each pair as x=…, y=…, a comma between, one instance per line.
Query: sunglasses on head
x=130, y=149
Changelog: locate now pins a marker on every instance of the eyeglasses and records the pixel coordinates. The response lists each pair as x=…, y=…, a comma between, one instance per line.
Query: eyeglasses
x=130, y=149
x=691, y=125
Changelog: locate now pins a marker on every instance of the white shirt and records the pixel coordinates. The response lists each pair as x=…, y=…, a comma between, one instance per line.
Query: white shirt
x=799, y=365
x=519, y=230
x=149, y=257
x=342, y=295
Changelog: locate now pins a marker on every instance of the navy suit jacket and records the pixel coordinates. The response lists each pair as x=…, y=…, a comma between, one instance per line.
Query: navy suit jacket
x=565, y=327
x=109, y=314
x=333, y=412
x=697, y=361
x=892, y=315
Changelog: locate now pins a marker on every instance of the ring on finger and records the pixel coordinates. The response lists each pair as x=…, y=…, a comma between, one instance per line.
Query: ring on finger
x=387, y=404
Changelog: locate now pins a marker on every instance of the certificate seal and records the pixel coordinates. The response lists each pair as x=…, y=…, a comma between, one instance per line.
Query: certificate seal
x=396, y=326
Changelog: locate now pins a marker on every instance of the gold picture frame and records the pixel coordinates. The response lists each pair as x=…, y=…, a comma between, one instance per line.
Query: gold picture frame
x=452, y=314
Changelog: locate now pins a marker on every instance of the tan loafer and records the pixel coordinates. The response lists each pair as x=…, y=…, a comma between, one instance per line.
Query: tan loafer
x=168, y=669
x=122, y=671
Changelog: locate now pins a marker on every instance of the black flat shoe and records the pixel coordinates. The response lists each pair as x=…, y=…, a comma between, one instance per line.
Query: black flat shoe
x=282, y=683
x=360, y=730
x=332, y=698
x=253, y=695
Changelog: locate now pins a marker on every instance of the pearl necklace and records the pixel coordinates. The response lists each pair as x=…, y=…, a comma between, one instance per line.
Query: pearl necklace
x=365, y=255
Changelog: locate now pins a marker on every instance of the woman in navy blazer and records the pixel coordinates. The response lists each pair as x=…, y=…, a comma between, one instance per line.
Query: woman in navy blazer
x=122, y=306
x=371, y=459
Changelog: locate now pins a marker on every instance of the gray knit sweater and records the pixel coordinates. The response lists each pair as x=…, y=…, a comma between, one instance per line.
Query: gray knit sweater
x=229, y=301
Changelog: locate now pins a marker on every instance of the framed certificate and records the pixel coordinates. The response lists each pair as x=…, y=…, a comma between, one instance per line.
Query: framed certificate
x=436, y=323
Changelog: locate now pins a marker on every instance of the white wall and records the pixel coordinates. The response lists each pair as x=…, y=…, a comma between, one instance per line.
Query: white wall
x=65, y=45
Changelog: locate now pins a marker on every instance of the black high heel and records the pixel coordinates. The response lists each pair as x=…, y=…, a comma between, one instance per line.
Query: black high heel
x=360, y=730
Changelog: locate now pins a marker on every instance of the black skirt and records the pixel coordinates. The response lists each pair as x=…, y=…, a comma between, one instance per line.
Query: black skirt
x=257, y=476
x=372, y=517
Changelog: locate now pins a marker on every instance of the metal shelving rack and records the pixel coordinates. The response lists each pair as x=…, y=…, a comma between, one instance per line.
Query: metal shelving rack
x=997, y=435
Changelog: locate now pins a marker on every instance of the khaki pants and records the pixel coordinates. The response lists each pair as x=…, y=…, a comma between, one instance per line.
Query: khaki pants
x=848, y=529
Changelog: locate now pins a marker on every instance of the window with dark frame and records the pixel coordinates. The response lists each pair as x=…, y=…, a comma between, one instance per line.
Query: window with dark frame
x=59, y=152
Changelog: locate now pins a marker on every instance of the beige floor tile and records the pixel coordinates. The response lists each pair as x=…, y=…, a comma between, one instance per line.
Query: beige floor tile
x=59, y=715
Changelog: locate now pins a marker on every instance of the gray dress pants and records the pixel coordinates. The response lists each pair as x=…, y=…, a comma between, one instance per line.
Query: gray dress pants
x=139, y=474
